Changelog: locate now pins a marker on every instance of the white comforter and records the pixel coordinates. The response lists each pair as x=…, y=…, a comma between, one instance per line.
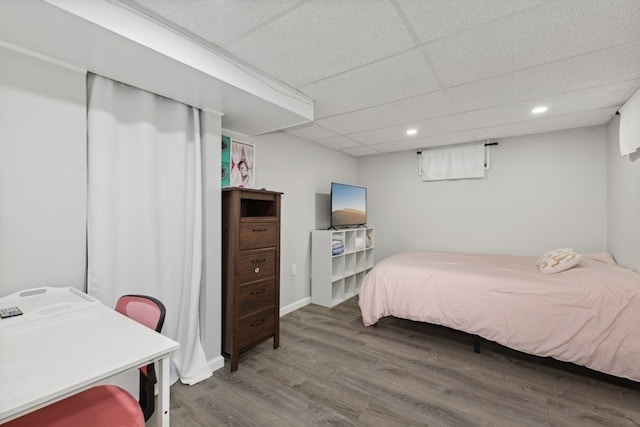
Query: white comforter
x=588, y=315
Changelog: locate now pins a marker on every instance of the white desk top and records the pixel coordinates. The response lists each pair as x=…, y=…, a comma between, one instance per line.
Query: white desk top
x=44, y=360
x=40, y=303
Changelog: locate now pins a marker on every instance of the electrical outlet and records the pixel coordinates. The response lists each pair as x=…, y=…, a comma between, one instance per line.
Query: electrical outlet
x=294, y=269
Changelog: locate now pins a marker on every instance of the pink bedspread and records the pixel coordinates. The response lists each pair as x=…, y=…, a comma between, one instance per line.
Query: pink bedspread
x=588, y=315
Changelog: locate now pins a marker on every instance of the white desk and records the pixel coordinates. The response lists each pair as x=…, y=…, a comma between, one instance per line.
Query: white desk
x=65, y=342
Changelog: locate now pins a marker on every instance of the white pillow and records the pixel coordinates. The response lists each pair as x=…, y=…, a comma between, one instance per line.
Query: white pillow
x=558, y=260
x=551, y=253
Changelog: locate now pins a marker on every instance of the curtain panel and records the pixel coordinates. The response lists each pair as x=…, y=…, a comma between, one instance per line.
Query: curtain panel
x=145, y=209
x=455, y=162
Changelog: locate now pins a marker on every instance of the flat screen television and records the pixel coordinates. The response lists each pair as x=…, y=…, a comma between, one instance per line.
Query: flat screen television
x=348, y=205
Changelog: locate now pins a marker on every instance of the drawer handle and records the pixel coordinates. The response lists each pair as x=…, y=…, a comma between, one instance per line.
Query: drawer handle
x=259, y=291
x=257, y=322
x=256, y=270
x=258, y=260
x=258, y=230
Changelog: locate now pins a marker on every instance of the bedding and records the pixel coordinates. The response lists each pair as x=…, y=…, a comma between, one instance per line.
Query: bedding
x=588, y=315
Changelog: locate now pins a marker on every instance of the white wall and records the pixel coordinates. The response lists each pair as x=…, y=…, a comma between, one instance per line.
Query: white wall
x=543, y=191
x=42, y=174
x=303, y=171
x=43, y=191
x=623, y=202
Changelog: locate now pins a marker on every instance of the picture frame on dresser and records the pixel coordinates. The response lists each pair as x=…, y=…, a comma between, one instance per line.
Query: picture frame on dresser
x=225, y=155
x=243, y=164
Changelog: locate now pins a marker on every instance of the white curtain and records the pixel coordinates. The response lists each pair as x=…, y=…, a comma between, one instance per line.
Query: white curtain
x=455, y=162
x=144, y=209
x=630, y=125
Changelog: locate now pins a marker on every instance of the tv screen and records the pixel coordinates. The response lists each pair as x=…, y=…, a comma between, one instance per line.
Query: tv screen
x=348, y=205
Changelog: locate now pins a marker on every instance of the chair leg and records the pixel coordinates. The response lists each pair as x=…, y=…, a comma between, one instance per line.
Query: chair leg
x=147, y=394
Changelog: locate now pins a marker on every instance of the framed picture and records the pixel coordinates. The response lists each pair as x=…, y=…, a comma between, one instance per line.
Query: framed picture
x=226, y=161
x=242, y=165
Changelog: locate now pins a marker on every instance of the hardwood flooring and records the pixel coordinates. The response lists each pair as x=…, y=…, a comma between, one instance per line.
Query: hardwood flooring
x=331, y=370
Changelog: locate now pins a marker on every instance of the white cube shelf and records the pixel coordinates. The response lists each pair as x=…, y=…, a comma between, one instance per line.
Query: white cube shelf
x=336, y=277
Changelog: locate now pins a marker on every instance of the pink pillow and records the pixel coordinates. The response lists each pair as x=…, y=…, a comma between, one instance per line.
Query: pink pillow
x=604, y=257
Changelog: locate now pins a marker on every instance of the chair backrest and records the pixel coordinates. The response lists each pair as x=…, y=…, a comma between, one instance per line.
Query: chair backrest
x=150, y=312
x=143, y=309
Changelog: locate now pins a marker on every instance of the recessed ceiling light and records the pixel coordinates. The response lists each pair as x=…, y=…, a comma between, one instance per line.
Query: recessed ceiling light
x=539, y=110
x=412, y=131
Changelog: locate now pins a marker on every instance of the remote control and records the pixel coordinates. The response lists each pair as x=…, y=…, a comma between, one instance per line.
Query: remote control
x=10, y=312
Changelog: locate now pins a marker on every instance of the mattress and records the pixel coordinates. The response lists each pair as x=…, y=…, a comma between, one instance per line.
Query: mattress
x=588, y=315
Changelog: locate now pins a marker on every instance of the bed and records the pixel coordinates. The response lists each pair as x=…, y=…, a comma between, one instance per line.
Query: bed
x=588, y=315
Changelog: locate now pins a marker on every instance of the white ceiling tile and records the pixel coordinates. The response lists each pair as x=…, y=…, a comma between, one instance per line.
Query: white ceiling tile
x=429, y=141
x=322, y=38
x=216, y=20
x=432, y=20
x=377, y=136
x=391, y=79
x=613, y=95
x=338, y=142
x=410, y=110
x=438, y=126
x=359, y=61
x=451, y=138
x=391, y=147
x=311, y=131
x=548, y=33
x=569, y=121
x=494, y=116
x=361, y=151
x=595, y=69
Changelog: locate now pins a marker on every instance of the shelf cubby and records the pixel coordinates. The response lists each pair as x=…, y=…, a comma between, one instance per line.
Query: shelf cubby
x=340, y=259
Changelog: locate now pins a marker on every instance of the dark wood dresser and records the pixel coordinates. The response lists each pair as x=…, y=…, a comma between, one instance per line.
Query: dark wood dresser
x=250, y=270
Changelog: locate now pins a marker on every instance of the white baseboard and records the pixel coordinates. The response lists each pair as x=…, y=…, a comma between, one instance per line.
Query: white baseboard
x=216, y=363
x=295, y=306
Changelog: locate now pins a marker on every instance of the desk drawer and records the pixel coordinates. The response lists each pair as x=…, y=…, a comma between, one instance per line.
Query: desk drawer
x=255, y=328
x=254, y=235
x=256, y=265
x=256, y=296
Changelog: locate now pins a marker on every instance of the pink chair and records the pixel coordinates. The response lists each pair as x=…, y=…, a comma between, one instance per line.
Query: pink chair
x=107, y=405
x=150, y=312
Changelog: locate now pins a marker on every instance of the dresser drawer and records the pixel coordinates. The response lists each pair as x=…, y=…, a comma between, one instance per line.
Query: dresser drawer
x=256, y=296
x=255, y=235
x=255, y=328
x=255, y=265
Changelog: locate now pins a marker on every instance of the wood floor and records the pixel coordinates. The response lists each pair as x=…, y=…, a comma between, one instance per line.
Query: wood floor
x=331, y=370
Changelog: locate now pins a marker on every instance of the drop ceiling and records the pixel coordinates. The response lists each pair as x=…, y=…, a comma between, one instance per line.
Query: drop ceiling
x=455, y=70
x=107, y=39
